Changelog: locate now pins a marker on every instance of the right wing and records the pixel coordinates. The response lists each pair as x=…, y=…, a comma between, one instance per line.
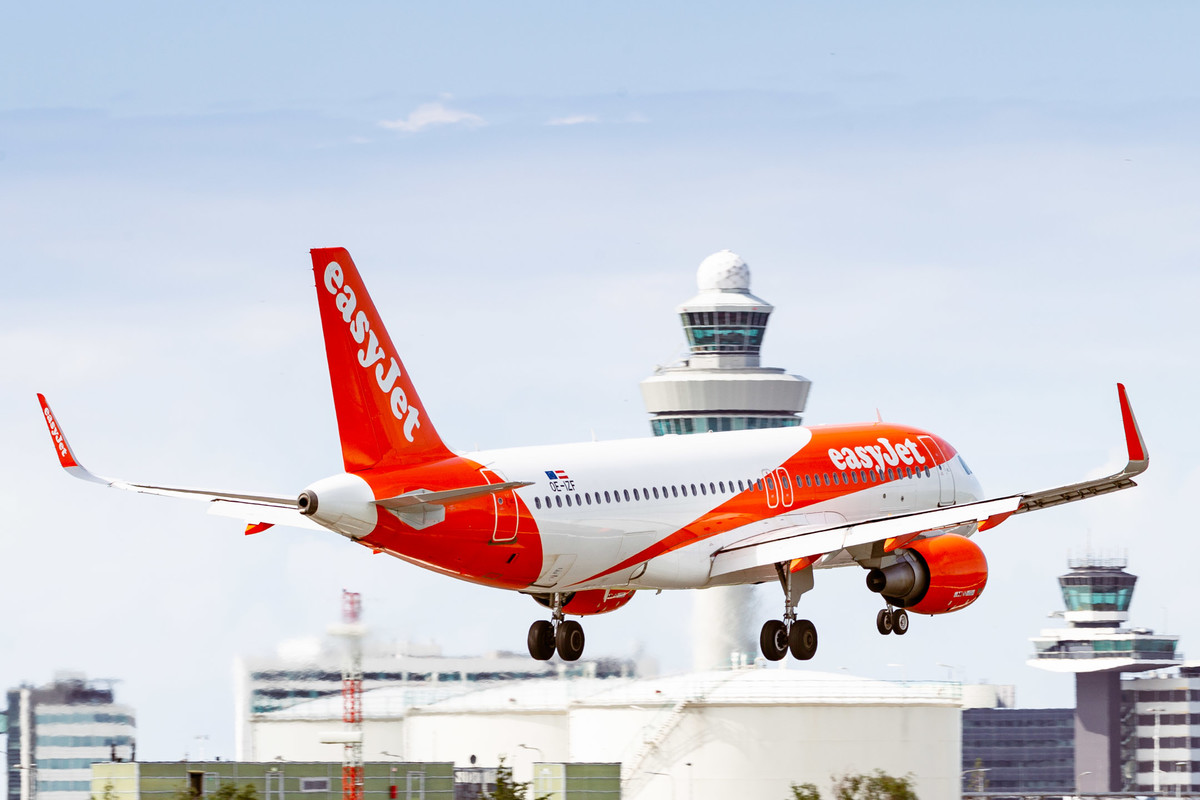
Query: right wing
x=804, y=544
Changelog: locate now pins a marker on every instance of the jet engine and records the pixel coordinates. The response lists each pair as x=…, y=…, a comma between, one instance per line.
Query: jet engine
x=933, y=576
x=590, y=601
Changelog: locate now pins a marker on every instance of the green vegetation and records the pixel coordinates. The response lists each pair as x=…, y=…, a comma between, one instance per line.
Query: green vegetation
x=876, y=786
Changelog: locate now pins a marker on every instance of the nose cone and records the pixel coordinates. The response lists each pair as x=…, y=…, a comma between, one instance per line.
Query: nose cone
x=968, y=488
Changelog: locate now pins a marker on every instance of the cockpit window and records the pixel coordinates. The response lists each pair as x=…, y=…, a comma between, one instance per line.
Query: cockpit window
x=964, y=465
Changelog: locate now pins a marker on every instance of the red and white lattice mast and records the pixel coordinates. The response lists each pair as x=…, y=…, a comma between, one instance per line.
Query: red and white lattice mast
x=352, y=631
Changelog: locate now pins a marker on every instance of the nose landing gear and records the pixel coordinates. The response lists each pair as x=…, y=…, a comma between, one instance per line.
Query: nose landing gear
x=556, y=634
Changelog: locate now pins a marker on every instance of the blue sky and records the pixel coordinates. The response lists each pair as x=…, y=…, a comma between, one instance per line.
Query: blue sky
x=975, y=218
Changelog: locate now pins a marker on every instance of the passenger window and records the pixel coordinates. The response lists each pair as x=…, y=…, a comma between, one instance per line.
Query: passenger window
x=645, y=493
x=741, y=487
x=568, y=501
x=635, y=495
x=616, y=495
x=854, y=477
x=626, y=495
x=722, y=485
x=606, y=498
x=693, y=490
x=674, y=492
x=578, y=500
x=655, y=492
x=537, y=501
x=588, y=497
x=835, y=479
x=558, y=500
x=826, y=474
x=758, y=486
x=712, y=488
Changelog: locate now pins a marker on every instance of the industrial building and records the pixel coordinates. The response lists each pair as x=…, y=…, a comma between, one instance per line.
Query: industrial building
x=56, y=731
x=417, y=673
x=703, y=735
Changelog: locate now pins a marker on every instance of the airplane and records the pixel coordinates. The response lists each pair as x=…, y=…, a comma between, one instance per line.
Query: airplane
x=581, y=528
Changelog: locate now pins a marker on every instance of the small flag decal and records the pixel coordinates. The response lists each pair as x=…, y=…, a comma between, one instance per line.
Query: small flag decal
x=557, y=475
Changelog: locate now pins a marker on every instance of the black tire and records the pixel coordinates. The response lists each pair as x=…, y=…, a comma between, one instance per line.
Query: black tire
x=541, y=640
x=884, y=621
x=773, y=640
x=803, y=639
x=569, y=640
x=899, y=622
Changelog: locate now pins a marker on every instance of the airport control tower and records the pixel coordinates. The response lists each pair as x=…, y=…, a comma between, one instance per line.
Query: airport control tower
x=721, y=386
x=1097, y=648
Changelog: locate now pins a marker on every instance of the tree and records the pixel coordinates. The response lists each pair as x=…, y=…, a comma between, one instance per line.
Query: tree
x=876, y=786
x=506, y=787
x=226, y=791
x=805, y=791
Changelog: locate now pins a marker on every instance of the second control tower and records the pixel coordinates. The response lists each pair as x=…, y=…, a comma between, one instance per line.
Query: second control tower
x=721, y=386
x=1098, y=648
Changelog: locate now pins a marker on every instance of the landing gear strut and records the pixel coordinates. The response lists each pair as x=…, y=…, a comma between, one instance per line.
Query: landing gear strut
x=890, y=620
x=797, y=635
x=556, y=634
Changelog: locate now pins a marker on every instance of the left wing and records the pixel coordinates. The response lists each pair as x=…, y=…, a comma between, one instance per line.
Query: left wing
x=805, y=544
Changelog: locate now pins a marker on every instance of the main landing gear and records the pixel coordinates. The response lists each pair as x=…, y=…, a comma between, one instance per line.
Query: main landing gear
x=557, y=634
x=797, y=635
x=890, y=620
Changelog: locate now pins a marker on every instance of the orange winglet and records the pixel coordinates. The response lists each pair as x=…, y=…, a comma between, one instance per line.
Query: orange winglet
x=258, y=527
x=65, y=456
x=1133, y=436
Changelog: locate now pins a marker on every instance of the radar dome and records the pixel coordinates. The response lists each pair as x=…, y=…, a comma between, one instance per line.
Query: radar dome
x=723, y=272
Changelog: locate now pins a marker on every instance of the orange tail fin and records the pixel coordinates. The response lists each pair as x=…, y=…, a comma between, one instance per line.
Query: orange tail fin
x=380, y=418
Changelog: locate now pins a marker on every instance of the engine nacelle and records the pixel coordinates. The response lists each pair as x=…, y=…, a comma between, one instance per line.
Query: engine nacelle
x=933, y=576
x=590, y=602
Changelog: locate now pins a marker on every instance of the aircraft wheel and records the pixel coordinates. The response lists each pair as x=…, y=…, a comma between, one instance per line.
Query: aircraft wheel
x=899, y=622
x=803, y=639
x=541, y=640
x=773, y=640
x=569, y=640
x=884, y=622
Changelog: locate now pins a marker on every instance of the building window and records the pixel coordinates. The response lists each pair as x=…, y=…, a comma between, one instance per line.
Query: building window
x=314, y=784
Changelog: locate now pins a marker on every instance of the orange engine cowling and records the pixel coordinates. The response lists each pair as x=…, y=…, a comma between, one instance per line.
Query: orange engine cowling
x=933, y=576
x=590, y=601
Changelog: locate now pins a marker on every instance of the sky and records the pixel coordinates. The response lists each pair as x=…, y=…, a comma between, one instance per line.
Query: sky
x=973, y=218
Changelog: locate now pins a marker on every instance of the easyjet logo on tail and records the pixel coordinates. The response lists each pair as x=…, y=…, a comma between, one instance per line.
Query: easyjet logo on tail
x=876, y=456
x=60, y=443
x=387, y=368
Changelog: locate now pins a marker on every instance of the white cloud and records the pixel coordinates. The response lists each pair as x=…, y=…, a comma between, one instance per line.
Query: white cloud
x=428, y=114
x=576, y=119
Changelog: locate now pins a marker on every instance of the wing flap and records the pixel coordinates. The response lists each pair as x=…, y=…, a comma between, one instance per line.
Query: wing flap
x=256, y=513
x=799, y=542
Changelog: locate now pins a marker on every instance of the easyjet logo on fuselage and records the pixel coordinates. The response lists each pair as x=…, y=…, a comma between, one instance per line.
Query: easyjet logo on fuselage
x=877, y=456
x=387, y=368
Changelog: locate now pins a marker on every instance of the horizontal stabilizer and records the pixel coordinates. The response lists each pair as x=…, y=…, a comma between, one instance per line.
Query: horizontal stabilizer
x=422, y=497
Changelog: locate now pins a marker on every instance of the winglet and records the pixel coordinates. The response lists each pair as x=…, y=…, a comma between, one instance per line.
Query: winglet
x=1133, y=436
x=66, y=456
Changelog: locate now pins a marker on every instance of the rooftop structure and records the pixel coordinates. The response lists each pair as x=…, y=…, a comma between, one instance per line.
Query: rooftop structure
x=1097, y=647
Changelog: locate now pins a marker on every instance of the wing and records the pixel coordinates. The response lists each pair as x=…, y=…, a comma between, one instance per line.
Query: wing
x=254, y=504
x=803, y=545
